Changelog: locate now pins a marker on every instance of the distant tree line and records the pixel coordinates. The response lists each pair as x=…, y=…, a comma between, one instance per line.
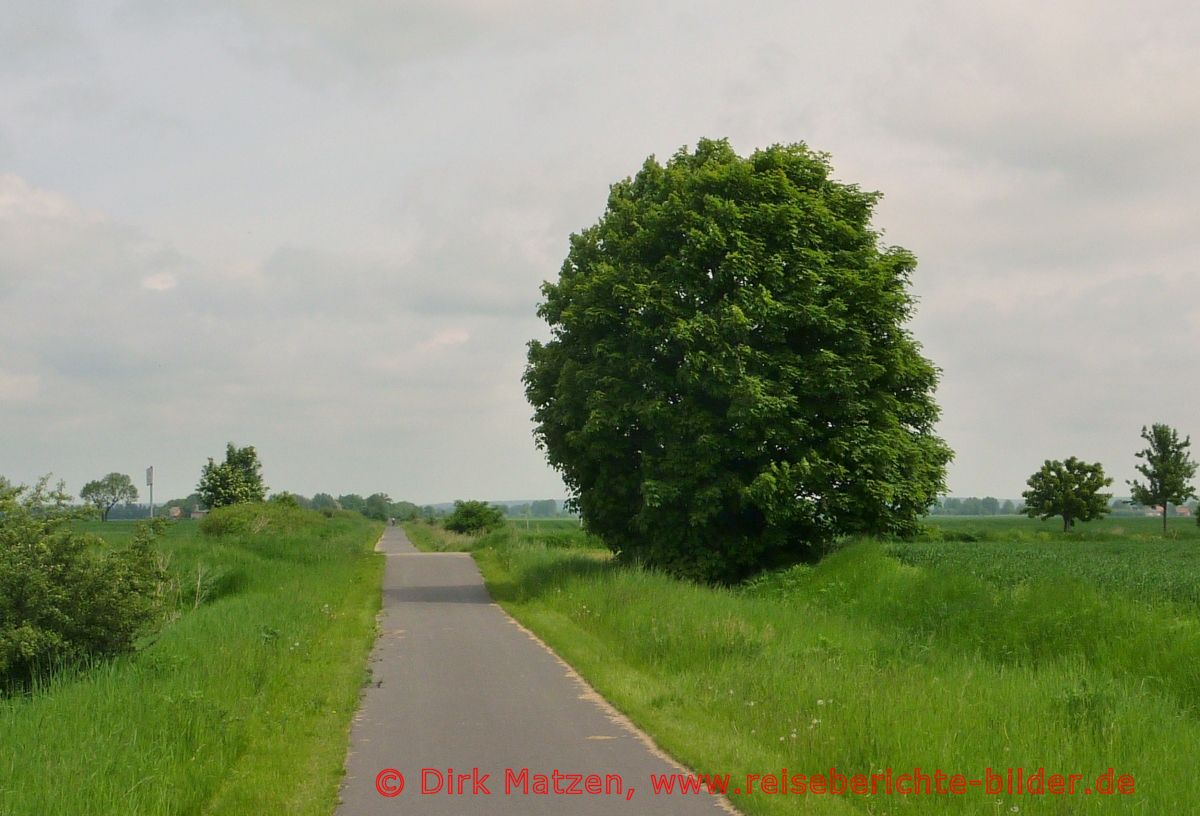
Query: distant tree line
x=542, y=508
x=973, y=506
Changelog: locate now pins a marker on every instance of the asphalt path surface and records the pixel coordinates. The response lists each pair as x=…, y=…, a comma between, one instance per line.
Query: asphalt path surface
x=459, y=690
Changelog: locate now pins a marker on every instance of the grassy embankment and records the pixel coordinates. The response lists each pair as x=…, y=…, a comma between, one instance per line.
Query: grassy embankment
x=239, y=704
x=1011, y=644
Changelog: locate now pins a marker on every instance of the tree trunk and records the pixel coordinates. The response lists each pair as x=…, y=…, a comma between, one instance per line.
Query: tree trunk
x=1164, y=518
x=1066, y=523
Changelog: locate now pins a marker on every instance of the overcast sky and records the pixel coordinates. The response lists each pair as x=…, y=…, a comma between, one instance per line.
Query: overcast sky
x=320, y=228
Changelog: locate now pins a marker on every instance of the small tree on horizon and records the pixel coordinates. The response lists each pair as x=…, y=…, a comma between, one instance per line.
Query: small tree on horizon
x=238, y=479
x=1168, y=469
x=474, y=517
x=1070, y=489
x=109, y=491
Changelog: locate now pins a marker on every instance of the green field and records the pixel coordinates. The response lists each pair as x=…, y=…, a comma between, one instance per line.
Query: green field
x=240, y=704
x=1019, y=647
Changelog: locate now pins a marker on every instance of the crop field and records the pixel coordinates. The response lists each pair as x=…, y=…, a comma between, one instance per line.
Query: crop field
x=239, y=704
x=1022, y=648
x=1125, y=555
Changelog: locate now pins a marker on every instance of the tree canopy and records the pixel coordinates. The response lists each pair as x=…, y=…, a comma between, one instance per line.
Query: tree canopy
x=1168, y=468
x=238, y=479
x=474, y=517
x=1070, y=489
x=729, y=382
x=107, y=492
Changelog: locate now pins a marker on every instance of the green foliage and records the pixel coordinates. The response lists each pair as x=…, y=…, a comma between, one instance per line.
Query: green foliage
x=107, y=492
x=1168, y=468
x=63, y=601
x=353, y=501
x=474, y=517
x=186, y=506
x=237, y=479
x=1070, y=489
x=730, y=383
x=974, y=506
x=254, y=518
x=543, y=508
x=378, y=506
x=817, y=665
x=285, y=499
x=241, y=705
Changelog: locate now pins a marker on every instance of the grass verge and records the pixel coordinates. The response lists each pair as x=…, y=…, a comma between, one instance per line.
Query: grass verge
x=240, y=705
x=865, y=662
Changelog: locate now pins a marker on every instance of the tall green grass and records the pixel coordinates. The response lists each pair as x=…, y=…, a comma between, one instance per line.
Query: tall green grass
x=240, y=704
x=865, y=662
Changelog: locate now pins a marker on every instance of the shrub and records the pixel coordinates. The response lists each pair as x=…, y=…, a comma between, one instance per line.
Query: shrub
x=255, y=517
x=474, y=517
x=63, y=599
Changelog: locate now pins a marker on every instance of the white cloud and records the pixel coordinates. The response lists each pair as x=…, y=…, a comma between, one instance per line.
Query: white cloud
x=446, y=338
x=18, y=387
x=160, y=282
x=353, y=208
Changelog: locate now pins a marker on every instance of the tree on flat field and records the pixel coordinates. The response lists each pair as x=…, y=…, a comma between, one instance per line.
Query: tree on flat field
x=238, y=479
x=109, y=491
x=473, y=517
x=1070, y=489
x=1168, y=469
x=543, y=508
x=729, y=383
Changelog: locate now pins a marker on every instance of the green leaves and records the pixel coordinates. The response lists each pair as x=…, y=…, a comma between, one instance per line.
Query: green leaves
x=62, y=598
x=1070, y=489
x=474, y=517
x=729, y=383
x=107, y=492
x=1168, y=468
x=238, y=479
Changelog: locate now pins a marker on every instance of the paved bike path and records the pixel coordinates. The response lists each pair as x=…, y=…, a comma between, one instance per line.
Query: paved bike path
x=457, y=684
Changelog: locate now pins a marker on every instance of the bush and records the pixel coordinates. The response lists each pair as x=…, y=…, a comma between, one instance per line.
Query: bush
x=63, y=599
x=474, y=517
x=256, y=517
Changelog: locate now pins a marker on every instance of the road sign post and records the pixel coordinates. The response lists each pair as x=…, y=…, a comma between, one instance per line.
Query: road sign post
x=150, y=484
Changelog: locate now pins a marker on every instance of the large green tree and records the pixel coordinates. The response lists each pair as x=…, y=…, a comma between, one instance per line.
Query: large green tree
x=729, y=382
x=238, y=479
x=1168, y=468
x=1070, y=489
x=107, y=492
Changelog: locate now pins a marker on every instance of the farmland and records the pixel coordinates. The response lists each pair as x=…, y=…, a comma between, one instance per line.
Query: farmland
x=1014, y=645
x=239, y=704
